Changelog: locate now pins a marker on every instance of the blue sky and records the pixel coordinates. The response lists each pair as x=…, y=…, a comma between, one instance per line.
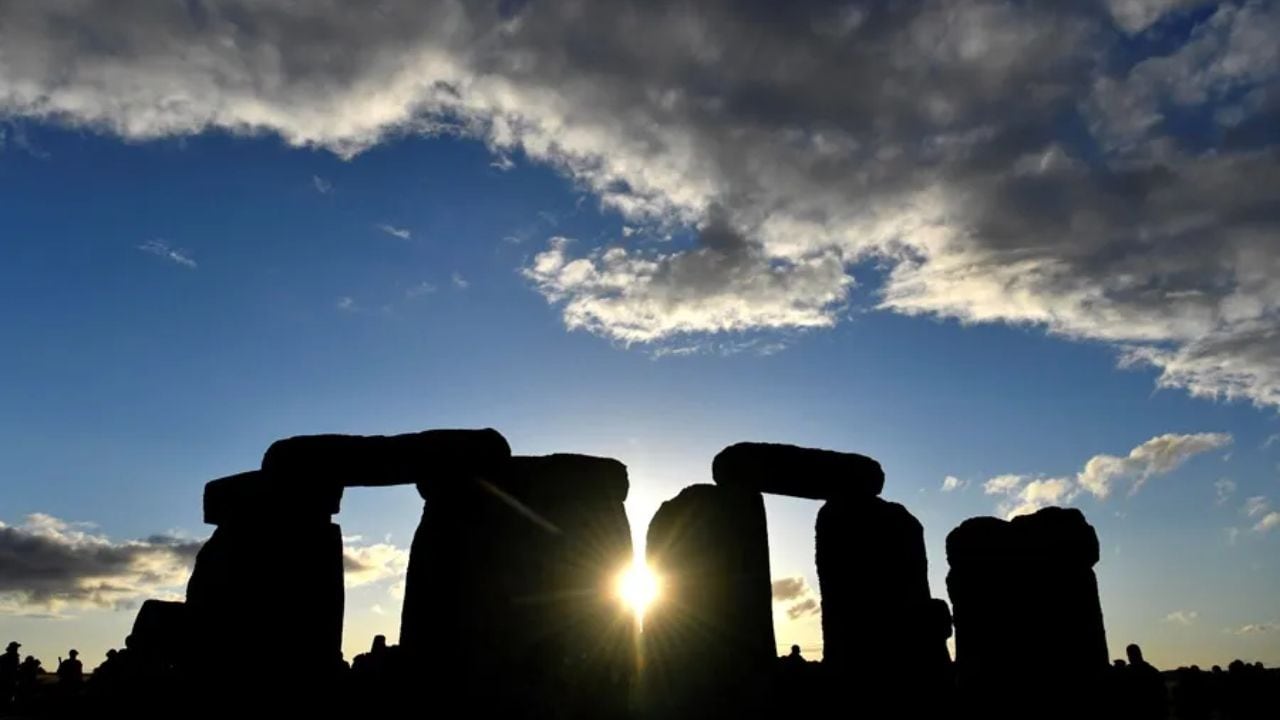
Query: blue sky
x=179, y=288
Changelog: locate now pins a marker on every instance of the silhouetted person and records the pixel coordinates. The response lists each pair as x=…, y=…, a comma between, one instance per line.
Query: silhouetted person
x=373, y=662
x=794, y=659
x=1143, y=689
x=71, y=670
x=9, y=673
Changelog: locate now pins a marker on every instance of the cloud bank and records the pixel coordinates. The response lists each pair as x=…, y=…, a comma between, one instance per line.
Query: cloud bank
x=1024, y=494
x=52, y=567
x=1042, y=164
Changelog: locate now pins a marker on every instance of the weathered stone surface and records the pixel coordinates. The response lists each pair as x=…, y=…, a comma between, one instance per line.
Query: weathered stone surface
x=515, y=574
x=709, y=640
x=797, y=471
x=880, y=626
x=413, y=458
x=1027, y=615
x=256, y=497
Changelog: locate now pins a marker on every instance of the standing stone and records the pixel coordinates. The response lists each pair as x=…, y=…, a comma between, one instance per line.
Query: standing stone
x=1029, y=627
x=797, y=471
x=509, y=602
x=159, y=638
x=269, y=578
x=881, y=629
x=708, y=642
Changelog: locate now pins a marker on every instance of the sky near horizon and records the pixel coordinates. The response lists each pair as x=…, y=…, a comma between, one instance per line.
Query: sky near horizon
x=1023, y=254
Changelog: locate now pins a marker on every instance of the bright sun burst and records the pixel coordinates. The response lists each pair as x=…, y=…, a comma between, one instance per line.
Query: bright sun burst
x=638, y=587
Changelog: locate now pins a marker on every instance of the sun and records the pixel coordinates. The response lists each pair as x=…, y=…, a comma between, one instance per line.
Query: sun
x=638, y=587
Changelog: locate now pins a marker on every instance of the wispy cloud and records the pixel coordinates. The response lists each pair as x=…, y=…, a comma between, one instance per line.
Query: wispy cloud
x=1255, y=506
x=1224, y=488
x=322, y=186
x=795, y=593
x=392, y=230
x=502, y=162
x=459, y=282
x=1102, y=473
x=1182, y=617
x=1256, y=628
x=808, y=606
x=788, y=588
x=161, y=249
x=1269, y=522
x=951, y=483
x=417, y=291
x=346, y=303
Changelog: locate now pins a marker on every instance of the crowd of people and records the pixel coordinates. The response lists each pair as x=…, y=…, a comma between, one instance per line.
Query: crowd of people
x=1135, y=689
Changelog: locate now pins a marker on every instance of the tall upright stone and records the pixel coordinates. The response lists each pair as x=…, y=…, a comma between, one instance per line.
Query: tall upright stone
x=1027, y=615
x=511, y=586
x=269, y=576
x=708, y=642
x=881, y=628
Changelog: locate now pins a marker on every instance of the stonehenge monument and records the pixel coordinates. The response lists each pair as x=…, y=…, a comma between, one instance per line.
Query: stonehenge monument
x=712, y=632
x=510, y=604
x=1013, y=584
x=529, y=557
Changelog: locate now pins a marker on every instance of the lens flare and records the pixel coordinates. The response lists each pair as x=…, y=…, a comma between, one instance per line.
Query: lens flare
x=638, y=587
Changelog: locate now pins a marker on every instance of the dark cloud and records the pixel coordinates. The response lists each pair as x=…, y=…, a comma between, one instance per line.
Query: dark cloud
x=1002, y=161
x=802, y=608
x=47, y=565
x=788, y=589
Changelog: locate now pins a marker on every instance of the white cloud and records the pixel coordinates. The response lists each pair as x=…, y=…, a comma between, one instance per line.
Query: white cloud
x=366, y=564
x=422, y=288
x=921, y=139
x=459, y=282
x=322, y=186
x=1224, y=488
x=1158, y=456
x=346, y=303
x=502, y=162
x=1002, y=484
x=1256, y=628
x=1255, y=506
x=161, y=249
x=1182, y=617
x=951, y=483
x=1137, y=15
x=1269, y=522
x=392, y=230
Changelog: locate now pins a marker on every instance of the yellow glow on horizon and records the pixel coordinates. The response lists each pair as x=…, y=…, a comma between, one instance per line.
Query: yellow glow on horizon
x=638, y=587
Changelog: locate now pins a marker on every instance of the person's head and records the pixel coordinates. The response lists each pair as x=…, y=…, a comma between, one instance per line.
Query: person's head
x=379, y=642
x=74, y=653
x=111, y=654
x=795, y=649
x=1119, y=664
x=1217, y=669
x=1135, y=654
x=13, y=647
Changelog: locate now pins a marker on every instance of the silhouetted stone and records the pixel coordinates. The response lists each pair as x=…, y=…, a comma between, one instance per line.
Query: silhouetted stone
x=881, y=629
x=161, y=633
x=797, y=471
x=257, y=497
x=514, y=574
x=271, y=574
x=708, y=642
x=378, y=460
x=1027, y=615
